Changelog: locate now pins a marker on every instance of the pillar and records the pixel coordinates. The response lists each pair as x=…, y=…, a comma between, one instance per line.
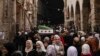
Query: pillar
x=28, y=10
x=65, y=12
x=92, y=15
x=81, y=13
x=13, y=24
x=74, y=12
x=69, y=8
x=14, y=11
x=35, y=13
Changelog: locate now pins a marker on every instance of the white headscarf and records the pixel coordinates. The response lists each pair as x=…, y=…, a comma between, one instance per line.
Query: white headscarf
x=72, y=51
x=30, y=49
x=83, y=39
x=85, y=49
x=42, y=46
x=51, y=51
x=97, y=36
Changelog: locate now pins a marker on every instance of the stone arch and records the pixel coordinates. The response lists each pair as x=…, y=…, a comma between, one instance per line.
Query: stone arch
x=72, y=12
x=91, y=13
x=52, y=11
x=78, y=15
x=97, y=16
x=68, y=12
x=81, y=14
x=86, y=13
x=69, y=8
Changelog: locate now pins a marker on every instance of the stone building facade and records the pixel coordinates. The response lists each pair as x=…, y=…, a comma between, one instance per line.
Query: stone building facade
x=7, y=19
x=75, y=11
x=16, y=12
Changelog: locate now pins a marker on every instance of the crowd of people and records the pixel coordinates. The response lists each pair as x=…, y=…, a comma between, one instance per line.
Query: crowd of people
x=64, y=43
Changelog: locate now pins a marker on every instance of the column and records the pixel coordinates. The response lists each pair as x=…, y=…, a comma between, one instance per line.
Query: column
x=14, y=10
x=35, y=12
x=28, y=9
x=13, y=26
x=81, y=13
x=74, y=11
x=65, y=13
x=69, y=8
x=92, y=15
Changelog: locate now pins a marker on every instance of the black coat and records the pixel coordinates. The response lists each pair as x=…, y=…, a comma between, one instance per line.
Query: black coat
x=97, y=53
x=40, y=53
x=31, y=53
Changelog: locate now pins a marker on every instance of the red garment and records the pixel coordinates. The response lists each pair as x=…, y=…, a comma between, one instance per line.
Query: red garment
x=86, y=55
x=62, y=40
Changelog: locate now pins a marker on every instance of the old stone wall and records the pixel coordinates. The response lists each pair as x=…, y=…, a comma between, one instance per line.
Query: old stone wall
x=7, y=22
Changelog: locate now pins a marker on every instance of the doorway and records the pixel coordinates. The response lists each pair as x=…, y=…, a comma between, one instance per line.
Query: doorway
x=50, y=12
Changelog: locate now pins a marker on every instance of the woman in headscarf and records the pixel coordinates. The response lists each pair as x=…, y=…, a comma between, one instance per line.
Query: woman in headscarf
x=72, y=51
x=86, y=50
x=29, y=51
x=57, y=46
x=51, y=51
x=40, y=49
x=76, y=43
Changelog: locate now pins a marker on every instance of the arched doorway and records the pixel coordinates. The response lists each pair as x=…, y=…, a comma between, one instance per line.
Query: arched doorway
x=86, y=13
x=50, y=12
x=97, y=15
x=78, y=16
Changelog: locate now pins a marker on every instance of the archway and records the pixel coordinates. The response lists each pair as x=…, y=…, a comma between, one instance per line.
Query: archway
x=50, y=12
x=72, y=12
x=86, y=13
x=97, y=16
x=78, y=16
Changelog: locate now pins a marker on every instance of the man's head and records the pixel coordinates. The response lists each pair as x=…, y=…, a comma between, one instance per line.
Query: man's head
x=56, y=39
